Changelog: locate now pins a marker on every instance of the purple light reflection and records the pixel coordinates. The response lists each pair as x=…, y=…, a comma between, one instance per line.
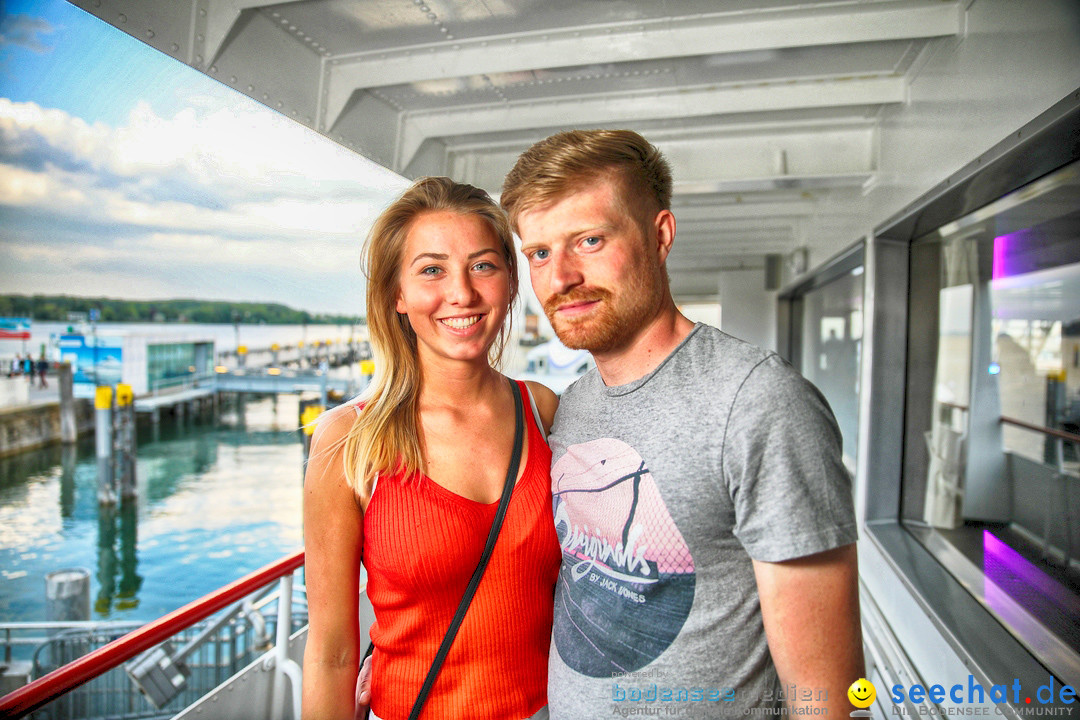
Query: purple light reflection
x=1018, y=253
x=1008, y=573
x=1001, y=248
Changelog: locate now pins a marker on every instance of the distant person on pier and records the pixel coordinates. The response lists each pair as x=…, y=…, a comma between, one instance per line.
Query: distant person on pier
x=28, y=368
x=407, y=482
x=42, y=368
x=16, y=366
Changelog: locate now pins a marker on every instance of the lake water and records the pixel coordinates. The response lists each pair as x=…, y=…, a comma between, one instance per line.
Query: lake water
x=217, y=499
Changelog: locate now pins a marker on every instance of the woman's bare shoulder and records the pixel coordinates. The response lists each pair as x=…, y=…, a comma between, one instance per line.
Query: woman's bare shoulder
x=326, y=454
x=334, y=424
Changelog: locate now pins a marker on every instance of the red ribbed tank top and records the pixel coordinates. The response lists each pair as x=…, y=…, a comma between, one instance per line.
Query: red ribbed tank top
x=422, y=543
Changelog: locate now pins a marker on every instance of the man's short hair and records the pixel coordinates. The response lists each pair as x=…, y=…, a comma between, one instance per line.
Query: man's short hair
x=562, y=163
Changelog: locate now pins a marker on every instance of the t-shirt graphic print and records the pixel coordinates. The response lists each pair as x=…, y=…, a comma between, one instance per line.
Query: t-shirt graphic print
x=627, y=582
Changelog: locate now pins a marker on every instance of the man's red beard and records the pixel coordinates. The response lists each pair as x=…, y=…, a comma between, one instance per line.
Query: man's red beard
x=603, y=329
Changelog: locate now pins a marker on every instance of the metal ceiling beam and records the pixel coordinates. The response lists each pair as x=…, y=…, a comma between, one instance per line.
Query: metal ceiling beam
x=795, y=154
x=733, y=243
x=721, y=241
x=737, y=225
x=750, y=247
x=702, y=34
x=715, y=265
x=220, y=17
x=673, y=103
x=773, y=182
x=688, y=215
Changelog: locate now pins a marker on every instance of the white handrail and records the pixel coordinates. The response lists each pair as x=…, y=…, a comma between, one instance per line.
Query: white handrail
x=284, y=667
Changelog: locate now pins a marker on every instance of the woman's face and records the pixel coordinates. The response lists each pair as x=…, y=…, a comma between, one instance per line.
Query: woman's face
x=454, y=285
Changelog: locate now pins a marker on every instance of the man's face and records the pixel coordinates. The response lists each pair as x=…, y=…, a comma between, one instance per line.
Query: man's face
x=597, y=271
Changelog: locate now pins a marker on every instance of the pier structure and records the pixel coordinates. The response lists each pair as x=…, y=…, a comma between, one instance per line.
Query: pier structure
x=197, y=391
x=275, y=369
x=334, y=352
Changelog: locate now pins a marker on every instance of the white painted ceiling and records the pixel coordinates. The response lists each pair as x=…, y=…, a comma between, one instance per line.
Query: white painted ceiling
x=767, y=109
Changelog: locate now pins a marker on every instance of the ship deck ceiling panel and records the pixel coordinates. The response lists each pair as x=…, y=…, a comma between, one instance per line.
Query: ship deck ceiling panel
x=349, y=27
x=769, y=110
x=781, y=66
x=687, y=130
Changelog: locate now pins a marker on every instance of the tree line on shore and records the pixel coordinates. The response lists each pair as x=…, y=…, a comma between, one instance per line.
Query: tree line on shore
x=65, y=308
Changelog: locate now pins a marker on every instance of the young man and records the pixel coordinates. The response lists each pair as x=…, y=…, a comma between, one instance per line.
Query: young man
x=704, y=514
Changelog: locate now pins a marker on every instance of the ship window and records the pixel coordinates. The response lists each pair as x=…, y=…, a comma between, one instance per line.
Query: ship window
x=824, y=340
x=992, y=453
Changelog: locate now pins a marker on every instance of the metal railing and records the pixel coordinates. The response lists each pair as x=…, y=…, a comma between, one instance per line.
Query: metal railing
x=1050, y=432
x=221, y=651
x=29, y=635
x=954, y=415
x=1062, y=477
x=178, y=626
x=179, y=383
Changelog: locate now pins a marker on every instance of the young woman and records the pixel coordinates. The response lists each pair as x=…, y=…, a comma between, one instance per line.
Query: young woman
x=407, y=482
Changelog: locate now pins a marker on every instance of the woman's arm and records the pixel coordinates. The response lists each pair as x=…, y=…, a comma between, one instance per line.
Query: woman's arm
x=546, y=403
x=333, y=540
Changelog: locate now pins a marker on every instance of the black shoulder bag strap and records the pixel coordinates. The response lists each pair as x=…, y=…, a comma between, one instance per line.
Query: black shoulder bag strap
x=493, y=534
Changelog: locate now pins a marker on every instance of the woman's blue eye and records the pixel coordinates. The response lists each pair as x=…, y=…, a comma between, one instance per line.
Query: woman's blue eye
x=431, y=270
x=484, y=266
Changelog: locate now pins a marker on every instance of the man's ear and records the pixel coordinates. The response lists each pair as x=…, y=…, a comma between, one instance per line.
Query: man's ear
x=664, y=226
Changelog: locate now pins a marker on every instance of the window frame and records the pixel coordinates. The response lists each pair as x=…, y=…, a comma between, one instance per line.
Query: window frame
x=790, y=300
x=986, y=647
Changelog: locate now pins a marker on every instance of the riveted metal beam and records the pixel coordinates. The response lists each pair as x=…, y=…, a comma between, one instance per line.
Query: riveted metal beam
x=700, y=34
x=686, y=216
x=749, y=245
x=714, y=264
x=705, y=155
x=168, y=27
x=639, y=106
x=774, y=182
x=721, y=234
x=221, y=16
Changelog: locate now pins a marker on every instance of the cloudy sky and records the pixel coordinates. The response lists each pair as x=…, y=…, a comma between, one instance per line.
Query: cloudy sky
x=124, y=173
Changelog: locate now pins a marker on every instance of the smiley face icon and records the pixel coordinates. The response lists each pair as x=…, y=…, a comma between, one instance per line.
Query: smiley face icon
x=862, y=693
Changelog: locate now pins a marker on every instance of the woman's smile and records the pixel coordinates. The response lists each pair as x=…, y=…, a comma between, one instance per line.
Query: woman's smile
x=454, y=285
x=461, y=323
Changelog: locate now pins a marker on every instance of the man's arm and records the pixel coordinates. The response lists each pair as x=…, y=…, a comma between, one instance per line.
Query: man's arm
x=810, y=609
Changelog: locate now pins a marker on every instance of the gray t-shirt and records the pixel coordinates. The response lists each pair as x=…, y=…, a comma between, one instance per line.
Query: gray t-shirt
x=664, y=489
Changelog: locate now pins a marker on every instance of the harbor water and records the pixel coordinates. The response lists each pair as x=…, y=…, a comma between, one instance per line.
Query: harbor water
x=217, y=498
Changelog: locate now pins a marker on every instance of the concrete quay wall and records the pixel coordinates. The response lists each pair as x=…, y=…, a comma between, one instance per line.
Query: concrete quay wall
x=32, y=426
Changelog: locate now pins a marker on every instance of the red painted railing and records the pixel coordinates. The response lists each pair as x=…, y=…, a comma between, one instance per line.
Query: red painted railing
x=49, y=687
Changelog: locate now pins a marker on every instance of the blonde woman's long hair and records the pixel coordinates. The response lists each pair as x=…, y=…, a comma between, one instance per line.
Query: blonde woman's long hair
x=385, y=435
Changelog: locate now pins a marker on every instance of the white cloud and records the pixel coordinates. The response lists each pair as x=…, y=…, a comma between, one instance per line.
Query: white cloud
x=227, y=191
x=315, y=255
x=214, y=145
x=21, y=188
